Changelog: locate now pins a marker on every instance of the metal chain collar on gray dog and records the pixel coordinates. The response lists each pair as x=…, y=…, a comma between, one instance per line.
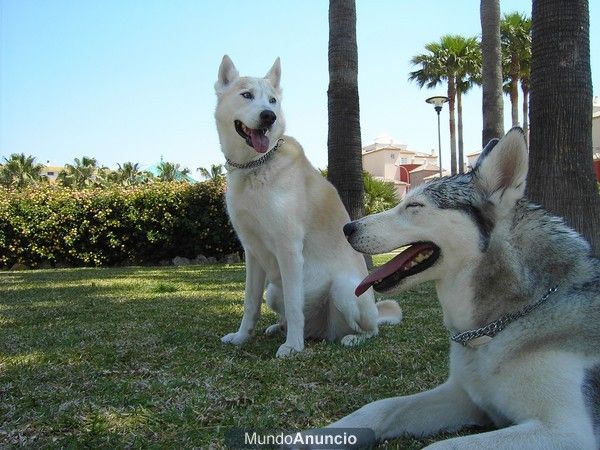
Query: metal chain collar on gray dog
x=256, y=162
x=493, y=328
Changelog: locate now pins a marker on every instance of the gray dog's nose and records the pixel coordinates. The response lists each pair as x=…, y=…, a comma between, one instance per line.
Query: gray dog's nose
x=349, y=228
x=267, y=118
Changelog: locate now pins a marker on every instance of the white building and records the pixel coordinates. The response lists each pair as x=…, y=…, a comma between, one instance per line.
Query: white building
x=395, y=163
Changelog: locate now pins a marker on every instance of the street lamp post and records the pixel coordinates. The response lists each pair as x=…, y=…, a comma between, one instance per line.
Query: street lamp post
x=437, y=101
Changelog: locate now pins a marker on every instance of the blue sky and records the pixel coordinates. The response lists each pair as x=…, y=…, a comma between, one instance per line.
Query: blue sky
x=129, y=80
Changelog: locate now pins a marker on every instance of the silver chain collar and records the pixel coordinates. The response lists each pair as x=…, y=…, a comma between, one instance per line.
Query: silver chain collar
x=256, y=162
x=493, y=328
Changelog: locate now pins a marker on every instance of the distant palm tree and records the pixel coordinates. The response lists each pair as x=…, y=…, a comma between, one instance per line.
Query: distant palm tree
x=525, y=77
x=129, y=174
x=515, y=35
x=19, y=171
x=445, y=60
x=492, y=104
x=469, y=74
x=171, y=172
x=216, y=171
x=104, y=177
x=81, y=174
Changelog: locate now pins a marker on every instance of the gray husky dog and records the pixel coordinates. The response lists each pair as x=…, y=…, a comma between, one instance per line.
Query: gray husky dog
x=520, y=294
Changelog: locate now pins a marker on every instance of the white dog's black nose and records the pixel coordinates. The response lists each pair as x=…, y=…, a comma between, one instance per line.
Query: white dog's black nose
x=349, y=228
x=267, y=118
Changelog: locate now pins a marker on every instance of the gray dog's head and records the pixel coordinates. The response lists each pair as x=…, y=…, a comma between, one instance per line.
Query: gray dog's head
x=446, y=223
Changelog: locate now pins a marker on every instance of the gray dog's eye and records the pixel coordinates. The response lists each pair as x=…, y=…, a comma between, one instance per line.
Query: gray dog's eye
x=415, y=205
x=247, y=95
x=272, y=100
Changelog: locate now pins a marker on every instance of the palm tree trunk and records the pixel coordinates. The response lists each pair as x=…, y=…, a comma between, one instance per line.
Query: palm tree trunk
x=452, y=122
x=491, y=71
x=461, y=162
x=525, y=91
x=343, y=140
x=561, y=176
x=514, y=98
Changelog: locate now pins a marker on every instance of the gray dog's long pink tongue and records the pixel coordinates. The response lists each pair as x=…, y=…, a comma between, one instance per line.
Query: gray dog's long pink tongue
x=392, y=266
x=260, y=142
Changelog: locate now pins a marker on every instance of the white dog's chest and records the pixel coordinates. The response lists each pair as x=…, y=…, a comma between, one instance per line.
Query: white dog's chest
x=262, y=217
x=256, y=208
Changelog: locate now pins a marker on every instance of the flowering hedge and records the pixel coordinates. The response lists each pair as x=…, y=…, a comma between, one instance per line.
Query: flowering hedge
x=109, y=226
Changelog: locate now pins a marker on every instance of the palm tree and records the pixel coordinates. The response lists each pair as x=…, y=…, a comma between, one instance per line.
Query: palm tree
x=81, y=174
x=560, y=148
x=19, y=171
x=129, y=174
x=468, y=75
x=491, y=71
x=379, y=195
x=515, y=35
x=525, y=77
x=171, y=171
x=447, y=61
x=343, y=139
x=104, y=177
x=215, y=172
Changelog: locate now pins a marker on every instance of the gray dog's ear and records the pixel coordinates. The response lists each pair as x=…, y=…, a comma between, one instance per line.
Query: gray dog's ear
x=227, y=74
x=502, y=168
x=274, y=74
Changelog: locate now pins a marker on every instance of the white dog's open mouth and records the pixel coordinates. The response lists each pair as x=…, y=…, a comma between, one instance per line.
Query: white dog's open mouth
x=415, y=259
x=257, y=139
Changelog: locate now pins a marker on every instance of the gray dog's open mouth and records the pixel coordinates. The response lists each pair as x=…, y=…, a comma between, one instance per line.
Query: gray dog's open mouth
x=415, y=259
x=257, y=139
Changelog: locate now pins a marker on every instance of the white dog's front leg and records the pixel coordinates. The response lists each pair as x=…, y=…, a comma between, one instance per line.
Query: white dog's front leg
x=531, y=435
x=291, y=263
x=444, y=408
x=255, y=284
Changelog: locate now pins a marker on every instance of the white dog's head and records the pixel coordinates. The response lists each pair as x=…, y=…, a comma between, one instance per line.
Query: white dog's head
x=248, y=114
x=446, y=224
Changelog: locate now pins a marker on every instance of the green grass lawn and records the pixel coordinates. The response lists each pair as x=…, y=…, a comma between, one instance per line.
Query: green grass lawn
x=132, y=357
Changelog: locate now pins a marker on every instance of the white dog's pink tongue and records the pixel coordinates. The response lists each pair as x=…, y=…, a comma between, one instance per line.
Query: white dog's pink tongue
x=260, y=142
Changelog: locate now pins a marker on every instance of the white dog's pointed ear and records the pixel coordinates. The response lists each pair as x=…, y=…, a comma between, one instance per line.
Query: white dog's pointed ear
x=274, y=74
x=227, y=74
x=501, y=170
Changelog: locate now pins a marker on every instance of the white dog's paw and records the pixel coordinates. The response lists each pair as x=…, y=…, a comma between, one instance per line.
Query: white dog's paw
x=274, y=329
x=235, y=338
x=351, y=340
x=286, y=350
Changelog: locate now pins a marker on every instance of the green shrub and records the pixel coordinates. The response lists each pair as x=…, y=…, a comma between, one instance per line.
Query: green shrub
x=379, y=195
x=115, y=225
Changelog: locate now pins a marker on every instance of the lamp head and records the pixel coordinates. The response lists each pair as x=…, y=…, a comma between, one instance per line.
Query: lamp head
x=437, y=101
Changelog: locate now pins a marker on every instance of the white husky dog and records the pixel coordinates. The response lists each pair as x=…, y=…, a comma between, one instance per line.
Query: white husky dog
x=289, y=220
x=520, y=294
